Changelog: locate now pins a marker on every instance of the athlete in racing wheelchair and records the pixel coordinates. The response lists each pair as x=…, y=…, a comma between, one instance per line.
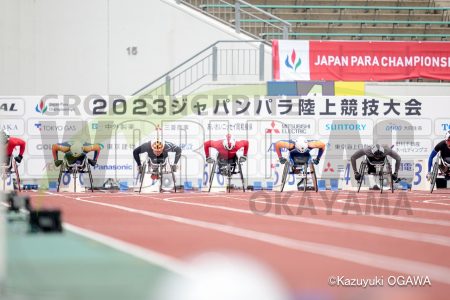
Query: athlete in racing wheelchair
x=157, y=163
x=227, y=162
x=442, y=162
x=377, y=164
x=75, y=160
x=300, y=162
x=9, y=162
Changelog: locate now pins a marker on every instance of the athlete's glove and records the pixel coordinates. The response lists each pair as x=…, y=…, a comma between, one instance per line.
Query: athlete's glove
x=282, y=160
x=174, y=168
x=210, y=160
x=357, y=176
x=242, y=159
x=394, y=177
x=58, y=162
x=140, y=170
x=92, y=162
x=316, y=161
x=429, y=176
x=18, y=158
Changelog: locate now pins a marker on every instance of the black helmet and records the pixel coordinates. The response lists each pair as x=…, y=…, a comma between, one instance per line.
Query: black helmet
x=377, y=151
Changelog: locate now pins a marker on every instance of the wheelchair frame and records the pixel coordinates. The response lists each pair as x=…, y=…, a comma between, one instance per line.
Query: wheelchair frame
x=12, y=165
x=230, y=171
x=75, y=169
x=303, y=173
x=379, y=173
x=162, y=169
x=435, y=171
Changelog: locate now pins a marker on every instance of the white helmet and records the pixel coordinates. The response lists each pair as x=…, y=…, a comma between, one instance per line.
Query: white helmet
x=377, y=150
x=76, y=147
x=301, y=146
x=447, y=135
x=4, y=136
x=229, y=142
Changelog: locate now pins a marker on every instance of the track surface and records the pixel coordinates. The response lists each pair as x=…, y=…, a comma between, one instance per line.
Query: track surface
x=303, y=237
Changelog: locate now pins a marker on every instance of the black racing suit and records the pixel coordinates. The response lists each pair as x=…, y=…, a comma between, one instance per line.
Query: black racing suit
x=367, y=152
x=168, y=147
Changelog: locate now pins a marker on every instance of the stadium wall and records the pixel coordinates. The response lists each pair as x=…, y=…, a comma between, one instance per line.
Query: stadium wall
x=86, y=47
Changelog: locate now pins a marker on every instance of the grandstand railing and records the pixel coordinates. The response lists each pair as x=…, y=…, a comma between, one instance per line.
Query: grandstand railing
x=387, y=36
x=427, y=16
x=232, y=12
x=231, y=61
x=342, y=8
x=303, y=26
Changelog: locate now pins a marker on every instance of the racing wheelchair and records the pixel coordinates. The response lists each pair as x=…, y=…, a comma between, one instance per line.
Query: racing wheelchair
x=440, y=167
x=9, y=169
x=157, y=170
x=75, y=169
x=300, y=167
x=226, y=168
x=382, y=168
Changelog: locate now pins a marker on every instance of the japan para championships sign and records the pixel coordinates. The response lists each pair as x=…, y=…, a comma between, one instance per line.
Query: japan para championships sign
x=360, y=60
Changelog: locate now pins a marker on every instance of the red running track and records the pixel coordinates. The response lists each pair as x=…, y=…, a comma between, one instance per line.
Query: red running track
x=304, y=237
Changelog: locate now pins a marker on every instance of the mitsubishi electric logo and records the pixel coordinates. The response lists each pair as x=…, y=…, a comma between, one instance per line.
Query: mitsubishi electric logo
x=273, y=129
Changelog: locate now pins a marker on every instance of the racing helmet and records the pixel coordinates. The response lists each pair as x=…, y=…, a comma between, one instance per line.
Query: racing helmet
x=76, y=147
x=377, y=151
x=4, y=137
x=301, y=146
x=157, y=147
x=229, y=142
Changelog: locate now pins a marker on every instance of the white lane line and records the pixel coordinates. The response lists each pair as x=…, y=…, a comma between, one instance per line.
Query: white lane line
x=381, y=215
x=399, y=265
x=342, y=211
x=354, y=212
x=353, y=197
x=435, y=202
x=437, y=211
x=153, y=257
x=352, y=200
x=388, y=232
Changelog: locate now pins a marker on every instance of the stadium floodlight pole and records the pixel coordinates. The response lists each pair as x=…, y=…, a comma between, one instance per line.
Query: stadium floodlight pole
x=285, y=32
x=237, y=16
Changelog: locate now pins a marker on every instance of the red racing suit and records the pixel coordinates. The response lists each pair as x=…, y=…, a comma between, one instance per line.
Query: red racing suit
x=13, y=142
x=225, y=154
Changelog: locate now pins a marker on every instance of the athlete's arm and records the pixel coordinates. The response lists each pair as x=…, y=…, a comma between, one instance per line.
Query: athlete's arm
x=397, y=158
x=61, y=147
x=243, y=144
x=93, y=147
x=430, y=159
x=317, y=145
x=141, y=149
x=174, y=148
x=206, y=147
x=280, y=144
x=354, y=158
